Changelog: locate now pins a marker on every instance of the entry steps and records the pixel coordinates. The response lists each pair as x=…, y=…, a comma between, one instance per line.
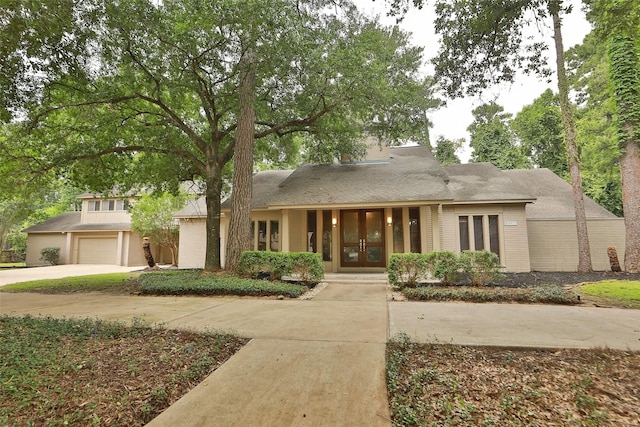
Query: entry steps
x=356, y=278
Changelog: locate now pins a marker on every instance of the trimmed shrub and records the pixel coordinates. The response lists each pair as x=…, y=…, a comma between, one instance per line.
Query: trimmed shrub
x=538, y=295
x=50, y=255
x=406, y=269
x=306, y=267
x=481, y=267
x=265, y=264
x=195, y=282
x=444, y=265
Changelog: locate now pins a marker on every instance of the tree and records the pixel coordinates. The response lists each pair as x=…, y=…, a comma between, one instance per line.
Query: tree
x=587, y=65
x=492, y=139
x=152, y=217
x=539, y=128
x=154, y=94
x=445, y=150
x=618, y=24
x=483, y=44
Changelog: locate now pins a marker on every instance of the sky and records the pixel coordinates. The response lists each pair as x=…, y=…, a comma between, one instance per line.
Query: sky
x=452, y=120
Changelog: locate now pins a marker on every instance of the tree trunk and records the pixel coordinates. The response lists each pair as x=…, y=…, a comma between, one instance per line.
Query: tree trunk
x=146, y=248
x=213, y=194
x=240, y=222
x=569, y=126
x=624, y=65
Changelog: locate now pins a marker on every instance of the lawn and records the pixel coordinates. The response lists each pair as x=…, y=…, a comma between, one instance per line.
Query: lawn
x=107, y=283
x=625, y=293
x=90, y=372
x=452, y=385
x=12, y=265
x=170, y=282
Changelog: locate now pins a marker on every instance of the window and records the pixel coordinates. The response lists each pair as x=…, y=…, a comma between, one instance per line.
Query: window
x=463, y=225
x=414, y=230
x=109, y=205
x=398, y=232
x=312, y=231
x=262, y=235
x=274, y=240
x=485, y=230
x=327, y=240
x=268, y=236
x=94, y=205
x=122, y=205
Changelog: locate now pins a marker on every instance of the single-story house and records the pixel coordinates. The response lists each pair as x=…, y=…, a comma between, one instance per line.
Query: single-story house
x=400, y=199
x=99, y=234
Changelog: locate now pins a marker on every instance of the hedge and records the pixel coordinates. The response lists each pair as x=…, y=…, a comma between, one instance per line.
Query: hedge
x=304, y=266
x=195, y=282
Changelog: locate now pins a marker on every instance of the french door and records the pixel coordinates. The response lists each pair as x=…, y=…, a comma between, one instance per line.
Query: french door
x=362, y=238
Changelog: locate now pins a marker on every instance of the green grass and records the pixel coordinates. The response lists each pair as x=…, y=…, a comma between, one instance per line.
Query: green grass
x=173, y=282
x=626, y=291
x=95, y=282
x=12, y=265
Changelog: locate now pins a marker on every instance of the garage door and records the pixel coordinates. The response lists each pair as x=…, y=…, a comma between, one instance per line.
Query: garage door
x=97, y=250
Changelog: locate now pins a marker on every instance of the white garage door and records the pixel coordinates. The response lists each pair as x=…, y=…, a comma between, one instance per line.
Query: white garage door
x=97, y=250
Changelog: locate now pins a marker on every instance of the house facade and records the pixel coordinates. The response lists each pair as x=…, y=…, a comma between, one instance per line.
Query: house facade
x=400, y=199
x=99, y=234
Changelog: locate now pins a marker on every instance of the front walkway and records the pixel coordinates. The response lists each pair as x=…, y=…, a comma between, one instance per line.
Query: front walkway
x=322, y=361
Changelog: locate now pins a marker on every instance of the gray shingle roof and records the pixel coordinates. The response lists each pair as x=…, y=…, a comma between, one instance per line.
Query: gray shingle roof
x=412, y=174
x=70, y=221
x=482, y=182
x=554, y=196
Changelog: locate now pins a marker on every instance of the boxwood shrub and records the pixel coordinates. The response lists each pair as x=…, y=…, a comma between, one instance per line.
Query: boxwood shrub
x=407, y=269
x=481, y=267
x=304, y=266
x=196, y=282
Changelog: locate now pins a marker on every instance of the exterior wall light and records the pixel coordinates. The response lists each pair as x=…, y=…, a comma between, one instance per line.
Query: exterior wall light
x=334, y=221
x=389, y=221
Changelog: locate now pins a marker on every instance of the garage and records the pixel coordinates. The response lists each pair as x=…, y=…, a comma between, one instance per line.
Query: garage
x=97, y=250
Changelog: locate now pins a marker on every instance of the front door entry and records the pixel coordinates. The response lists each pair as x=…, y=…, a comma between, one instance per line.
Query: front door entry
x=362, y=238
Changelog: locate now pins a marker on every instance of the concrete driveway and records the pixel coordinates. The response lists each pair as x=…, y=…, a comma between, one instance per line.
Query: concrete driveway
x=59, y=271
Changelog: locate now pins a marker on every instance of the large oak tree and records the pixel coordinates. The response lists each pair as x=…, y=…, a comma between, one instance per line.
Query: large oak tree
x=152, y=93
x=483, y=43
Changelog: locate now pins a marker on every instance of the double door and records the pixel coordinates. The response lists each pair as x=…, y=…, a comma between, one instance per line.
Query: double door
x=362, y=238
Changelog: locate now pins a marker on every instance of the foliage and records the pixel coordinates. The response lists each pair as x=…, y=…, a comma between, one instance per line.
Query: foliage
x=306, y=266
x=492, y=139
x=73, y=372
x=147, y=95
x=199, y=283
x=481, y=267
x=444, y=265
x=617, y=24
x=445, y=150
x=538, y=126
x=258, y=264
x=50, y=255
x=152, y=216
x=407, y=269
x=90, y=283
x=537, y=295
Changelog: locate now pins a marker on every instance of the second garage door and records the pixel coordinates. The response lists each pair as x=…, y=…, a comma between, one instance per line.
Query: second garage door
x=97, y=250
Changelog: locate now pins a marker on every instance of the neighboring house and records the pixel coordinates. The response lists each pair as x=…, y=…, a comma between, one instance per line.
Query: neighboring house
x=401, y=199
x=99, y=234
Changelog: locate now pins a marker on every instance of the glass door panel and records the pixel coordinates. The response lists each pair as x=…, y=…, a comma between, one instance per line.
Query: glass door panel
x=363, y=238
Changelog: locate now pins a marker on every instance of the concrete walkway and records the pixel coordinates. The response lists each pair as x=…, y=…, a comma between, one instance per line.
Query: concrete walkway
x=322, y=361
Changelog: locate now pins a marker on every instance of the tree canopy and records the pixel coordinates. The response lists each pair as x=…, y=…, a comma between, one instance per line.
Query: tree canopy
x=148, y=93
